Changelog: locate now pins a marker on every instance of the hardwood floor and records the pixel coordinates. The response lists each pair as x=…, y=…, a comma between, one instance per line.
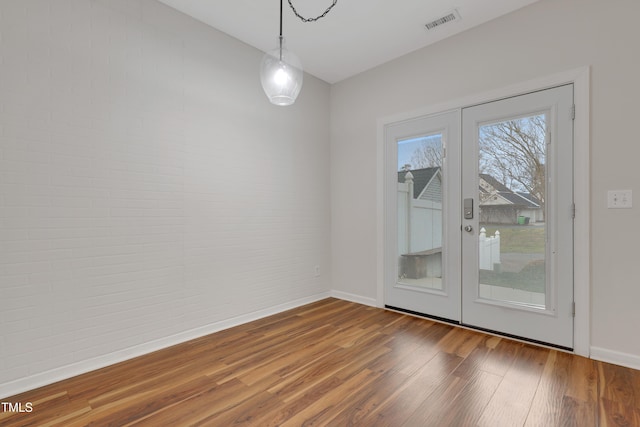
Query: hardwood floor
x=339, y=364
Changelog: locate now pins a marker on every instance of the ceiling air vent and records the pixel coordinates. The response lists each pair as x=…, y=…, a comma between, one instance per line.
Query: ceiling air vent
x=449, y=17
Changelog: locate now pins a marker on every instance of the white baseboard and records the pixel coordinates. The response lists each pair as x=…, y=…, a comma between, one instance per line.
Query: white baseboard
x=45, y=378
x=65, y=372
x=617, y=358
x=354, y=298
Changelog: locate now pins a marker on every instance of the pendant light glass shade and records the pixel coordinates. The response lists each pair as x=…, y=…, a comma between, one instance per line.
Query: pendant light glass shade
x=281, y=75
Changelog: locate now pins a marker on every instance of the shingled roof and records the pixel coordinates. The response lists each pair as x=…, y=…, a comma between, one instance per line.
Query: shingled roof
x=533, y=199
x=518, y=199
x=421, y=177
x=515, y=198
x=495, y=183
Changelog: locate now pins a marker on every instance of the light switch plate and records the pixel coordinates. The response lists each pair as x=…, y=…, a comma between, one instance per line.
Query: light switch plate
x=619, y=199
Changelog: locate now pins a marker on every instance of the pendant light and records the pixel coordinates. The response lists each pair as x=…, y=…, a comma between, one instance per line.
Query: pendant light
x=281, y=71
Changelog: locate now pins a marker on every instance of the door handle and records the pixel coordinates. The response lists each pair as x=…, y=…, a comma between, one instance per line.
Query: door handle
x=468, y=228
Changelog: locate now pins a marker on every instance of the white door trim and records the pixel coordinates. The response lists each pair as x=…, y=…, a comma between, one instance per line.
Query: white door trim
x=580, y=77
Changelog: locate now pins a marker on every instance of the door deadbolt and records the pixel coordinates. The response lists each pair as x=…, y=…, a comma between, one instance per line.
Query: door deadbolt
x=468, y=208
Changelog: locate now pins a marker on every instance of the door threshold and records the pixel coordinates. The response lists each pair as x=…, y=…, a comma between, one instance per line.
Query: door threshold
x=518, y=338
x=476, y=328
x=423, y=315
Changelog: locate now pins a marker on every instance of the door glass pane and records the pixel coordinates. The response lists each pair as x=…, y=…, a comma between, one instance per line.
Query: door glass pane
x=512, y=188
x=420, y=211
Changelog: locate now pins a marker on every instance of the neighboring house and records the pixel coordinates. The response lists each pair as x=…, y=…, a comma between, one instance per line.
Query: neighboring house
x=501, y=205
x=427, y=183
x=536, y=211
x=498, y=203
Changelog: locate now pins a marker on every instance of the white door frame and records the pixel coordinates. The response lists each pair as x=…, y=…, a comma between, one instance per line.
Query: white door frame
x=580, y=77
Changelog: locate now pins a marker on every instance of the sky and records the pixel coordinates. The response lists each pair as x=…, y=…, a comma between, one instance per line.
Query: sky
x=406, y=147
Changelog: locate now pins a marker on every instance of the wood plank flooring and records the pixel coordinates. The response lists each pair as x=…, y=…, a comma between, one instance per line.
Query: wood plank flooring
x=336, y=363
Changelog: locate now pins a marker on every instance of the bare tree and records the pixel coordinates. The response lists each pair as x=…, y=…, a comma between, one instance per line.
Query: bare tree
x=514, y=152
x=427, y=155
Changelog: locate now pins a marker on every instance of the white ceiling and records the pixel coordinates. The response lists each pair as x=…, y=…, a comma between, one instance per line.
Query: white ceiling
x=355, y=36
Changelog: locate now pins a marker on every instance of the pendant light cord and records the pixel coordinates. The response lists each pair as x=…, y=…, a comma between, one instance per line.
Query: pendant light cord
x=280, y=38
x=302, y=18
x=280, y=19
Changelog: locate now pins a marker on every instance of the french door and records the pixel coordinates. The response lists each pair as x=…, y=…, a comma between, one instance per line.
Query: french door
x=422, y=271
x=479, y=218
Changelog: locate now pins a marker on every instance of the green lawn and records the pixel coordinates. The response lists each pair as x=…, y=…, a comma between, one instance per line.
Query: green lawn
x=531, y=278
x=523, y=240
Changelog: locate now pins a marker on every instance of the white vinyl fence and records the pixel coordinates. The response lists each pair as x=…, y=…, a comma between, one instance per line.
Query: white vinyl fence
x=489, y=250
x=420, y=228
x=419, y=222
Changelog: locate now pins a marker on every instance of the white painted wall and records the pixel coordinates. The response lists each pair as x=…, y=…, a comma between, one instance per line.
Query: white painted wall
x=542, y=39
x=149, y=192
